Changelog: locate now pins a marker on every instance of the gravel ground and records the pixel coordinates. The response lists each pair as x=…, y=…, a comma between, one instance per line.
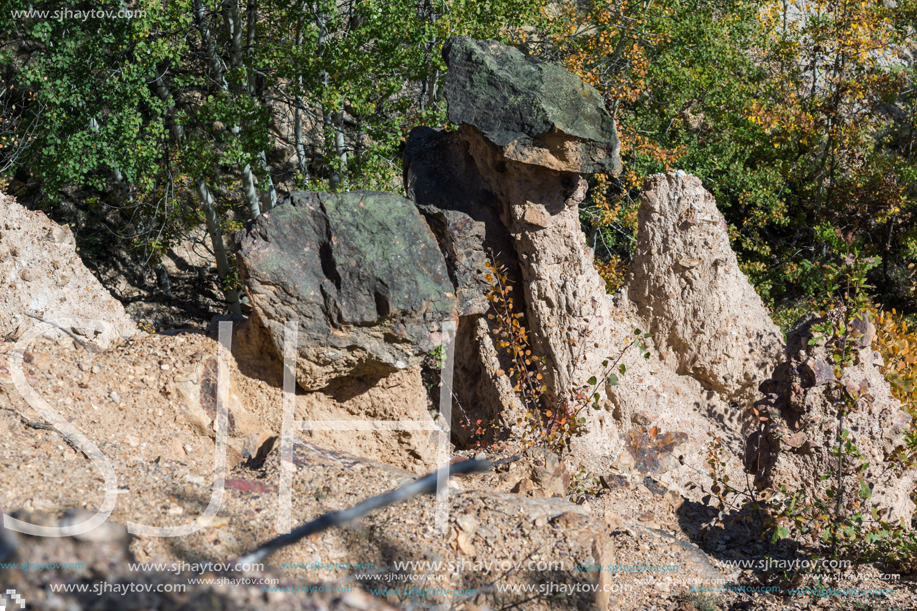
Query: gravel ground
x=125, y=401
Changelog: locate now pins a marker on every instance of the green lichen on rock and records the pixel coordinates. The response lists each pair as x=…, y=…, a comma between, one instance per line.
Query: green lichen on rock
x=360, y=271
x=536, y=112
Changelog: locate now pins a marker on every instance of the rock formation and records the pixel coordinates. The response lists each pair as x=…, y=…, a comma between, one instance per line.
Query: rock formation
x=441, y=177
x=42, y=275
x=548, y=128
x=362, y=275
x=527, y=132
x=800, y=401
x=687, y=284
x=360, y=272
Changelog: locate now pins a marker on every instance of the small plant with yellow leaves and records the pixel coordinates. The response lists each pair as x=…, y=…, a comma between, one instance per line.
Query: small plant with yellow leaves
x=552, y=418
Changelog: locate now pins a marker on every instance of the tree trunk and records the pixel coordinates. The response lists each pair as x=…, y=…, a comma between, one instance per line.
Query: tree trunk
x=297, y=111
x=251, y=194
x=122, y=185
x=298, y=139
x=251, y=16
x=327, y=116
x=340, y=149
x=162, y=90
x=269, y=195
x=219, y=249
x=232, y=19
x=213, y=58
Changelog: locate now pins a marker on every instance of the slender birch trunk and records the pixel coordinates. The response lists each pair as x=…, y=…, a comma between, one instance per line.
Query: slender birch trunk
x=297, y=111
x=213, y=225
x=219, y=249
x=162, y=90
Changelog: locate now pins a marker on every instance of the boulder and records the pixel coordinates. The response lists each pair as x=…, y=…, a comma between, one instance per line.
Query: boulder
x=686, y=281
x=361, y=273
x=533, y=112
x=795, y=447
x=42, y=275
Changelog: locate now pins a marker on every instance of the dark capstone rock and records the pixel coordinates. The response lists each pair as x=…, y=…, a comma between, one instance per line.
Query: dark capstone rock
x=537, y=113
x=464, y=214
x=361, y=273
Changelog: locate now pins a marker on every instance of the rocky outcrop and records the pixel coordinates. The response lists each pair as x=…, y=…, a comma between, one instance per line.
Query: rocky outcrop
x=527, y=132
x=42, y=275
x=441, y=177
x=800, y=401
x=529, y=129
x=705, y=317
x=360, y=272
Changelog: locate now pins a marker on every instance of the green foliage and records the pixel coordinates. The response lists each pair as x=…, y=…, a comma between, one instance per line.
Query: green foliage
x=91, y=78
x=721, y=89
x=142, y=112
x=724, y=90
x=833, y=511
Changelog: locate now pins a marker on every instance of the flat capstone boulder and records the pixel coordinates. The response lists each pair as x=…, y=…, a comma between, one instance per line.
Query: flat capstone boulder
x=536, y=113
